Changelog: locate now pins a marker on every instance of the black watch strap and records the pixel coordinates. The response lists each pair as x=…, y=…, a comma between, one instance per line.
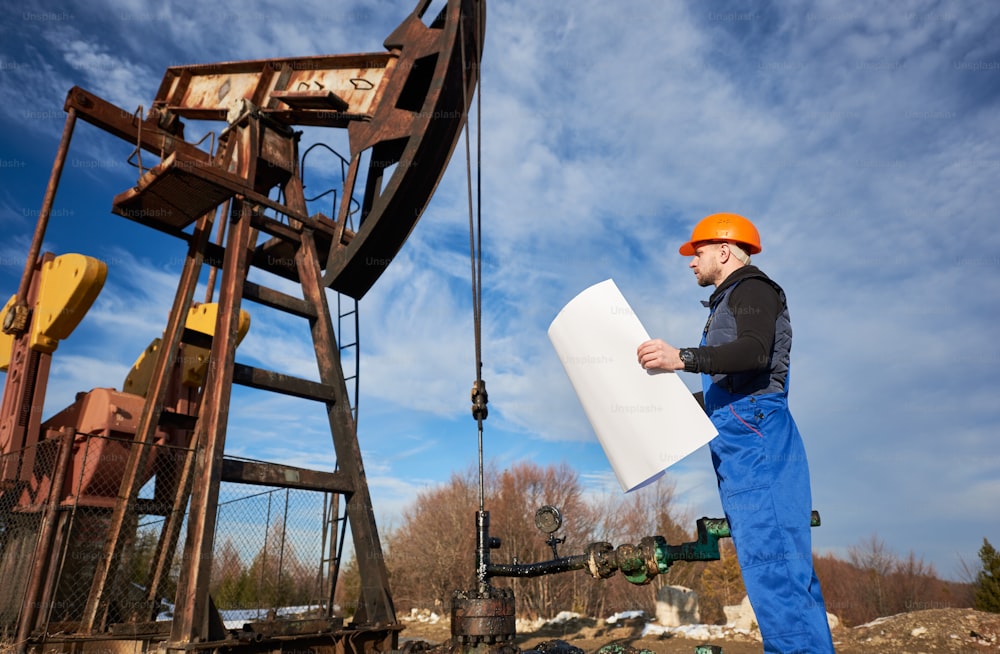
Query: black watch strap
x=690, y=360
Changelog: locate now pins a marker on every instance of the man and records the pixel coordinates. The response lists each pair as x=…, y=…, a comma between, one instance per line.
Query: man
x=758, y=454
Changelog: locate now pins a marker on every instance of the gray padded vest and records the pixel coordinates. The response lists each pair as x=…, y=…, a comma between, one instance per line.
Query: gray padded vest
x=721, y=328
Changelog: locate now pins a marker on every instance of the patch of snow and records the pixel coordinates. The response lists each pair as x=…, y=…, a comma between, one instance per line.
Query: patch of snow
x=423, y=615
x=523, y=626
x=564, y=616
x=878, y=621
x=625, y=615
x=236, y=618
x=693, y=631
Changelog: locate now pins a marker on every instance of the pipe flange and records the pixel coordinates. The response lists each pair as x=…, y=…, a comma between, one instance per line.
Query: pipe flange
x=483, y=617
x=650, y=547
x=600, y=562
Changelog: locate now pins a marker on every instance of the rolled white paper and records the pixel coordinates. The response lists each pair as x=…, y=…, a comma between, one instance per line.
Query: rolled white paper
x=646, y=421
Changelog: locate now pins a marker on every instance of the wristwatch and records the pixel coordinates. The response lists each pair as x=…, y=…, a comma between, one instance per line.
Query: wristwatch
x=690, y=360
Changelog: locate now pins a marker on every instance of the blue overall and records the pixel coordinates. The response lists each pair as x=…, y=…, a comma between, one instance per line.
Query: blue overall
x=764, y=486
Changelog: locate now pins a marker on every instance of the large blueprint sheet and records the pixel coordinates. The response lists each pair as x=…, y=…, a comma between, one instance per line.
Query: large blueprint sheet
x=645, y=421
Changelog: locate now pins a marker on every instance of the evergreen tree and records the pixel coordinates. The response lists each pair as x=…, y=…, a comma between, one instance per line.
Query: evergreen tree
x=230, y=580
x=988, y=580
x=720, y=585
x=144, y=549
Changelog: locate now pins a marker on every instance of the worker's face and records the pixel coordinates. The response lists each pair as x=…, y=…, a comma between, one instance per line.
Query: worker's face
x=707, y=263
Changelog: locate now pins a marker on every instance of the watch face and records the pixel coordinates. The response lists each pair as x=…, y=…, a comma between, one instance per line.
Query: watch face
x=687, y=356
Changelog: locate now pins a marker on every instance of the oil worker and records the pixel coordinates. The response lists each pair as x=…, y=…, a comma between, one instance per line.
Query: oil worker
x=758, y=455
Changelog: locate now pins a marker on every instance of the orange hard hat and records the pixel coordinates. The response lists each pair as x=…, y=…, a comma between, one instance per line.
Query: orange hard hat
x=724, y=227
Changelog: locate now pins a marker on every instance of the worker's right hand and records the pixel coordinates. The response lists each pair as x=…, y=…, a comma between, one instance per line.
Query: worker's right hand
x=656, y=354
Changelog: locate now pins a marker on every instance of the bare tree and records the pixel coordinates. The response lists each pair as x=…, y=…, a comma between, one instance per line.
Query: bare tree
x=912, y=584
x=876, y=582
x=650, y=511
x=514, y=496
x=876, y=562
x=433, y=552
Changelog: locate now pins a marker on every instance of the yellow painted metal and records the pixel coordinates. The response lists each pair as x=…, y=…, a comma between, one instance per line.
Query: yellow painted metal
x=137, y=380
x=6, y=340
x=202, y=318
x=193, y=360
x=68, y=286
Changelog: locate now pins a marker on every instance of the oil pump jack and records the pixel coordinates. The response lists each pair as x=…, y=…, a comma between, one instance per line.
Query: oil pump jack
x=73, y=488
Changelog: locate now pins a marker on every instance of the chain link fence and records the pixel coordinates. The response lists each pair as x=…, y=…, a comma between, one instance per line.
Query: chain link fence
x=20, y=521
x=274, y=548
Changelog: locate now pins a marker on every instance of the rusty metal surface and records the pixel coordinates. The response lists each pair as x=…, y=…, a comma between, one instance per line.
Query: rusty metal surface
x=415, y=102
x=192, y=615
x=149, y=134
x=281, y=383
x=413, y=132
x=24, y=389
x=483, y=617
x=272, y=474
x=171, y=194
x=97, y=467
x=145, y=433
x=375, y=604
x=208, y=91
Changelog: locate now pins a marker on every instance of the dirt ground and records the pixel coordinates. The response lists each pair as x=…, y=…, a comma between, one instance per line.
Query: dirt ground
x=961, y=631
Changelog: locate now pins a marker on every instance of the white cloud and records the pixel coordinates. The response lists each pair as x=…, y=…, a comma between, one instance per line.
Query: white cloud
x=117, y=80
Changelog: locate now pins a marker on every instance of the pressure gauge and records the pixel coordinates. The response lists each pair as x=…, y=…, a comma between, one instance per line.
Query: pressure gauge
x=548, y=519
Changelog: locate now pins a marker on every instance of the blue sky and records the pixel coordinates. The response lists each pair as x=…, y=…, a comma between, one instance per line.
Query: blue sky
x=862, y=138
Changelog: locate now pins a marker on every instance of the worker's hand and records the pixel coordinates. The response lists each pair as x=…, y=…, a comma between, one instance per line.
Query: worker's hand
x=658, y=355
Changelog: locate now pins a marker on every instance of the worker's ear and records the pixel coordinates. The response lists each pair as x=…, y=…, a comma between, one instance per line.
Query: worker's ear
x=724, y=252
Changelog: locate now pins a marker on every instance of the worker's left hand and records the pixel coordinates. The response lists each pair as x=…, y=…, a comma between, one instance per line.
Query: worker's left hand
x=656, y=354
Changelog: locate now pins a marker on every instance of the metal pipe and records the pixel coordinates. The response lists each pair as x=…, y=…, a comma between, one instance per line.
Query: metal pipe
x=555, y=566
x=719, y=527
x=482, y=549
x=637, y=563
x=43, y=216
x=220, y=234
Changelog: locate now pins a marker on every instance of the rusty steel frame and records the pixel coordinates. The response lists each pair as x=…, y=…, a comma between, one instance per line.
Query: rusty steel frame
x=403, y=110
x=192, y=615
x=24, y=391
